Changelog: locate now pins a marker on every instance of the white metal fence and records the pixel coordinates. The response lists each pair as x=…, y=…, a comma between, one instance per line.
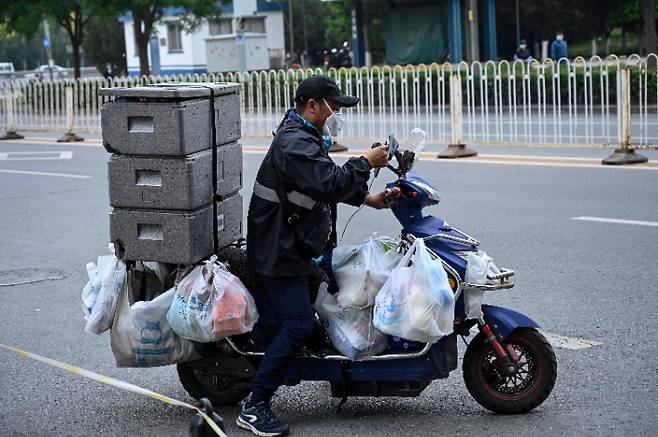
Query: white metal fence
x=570, y=102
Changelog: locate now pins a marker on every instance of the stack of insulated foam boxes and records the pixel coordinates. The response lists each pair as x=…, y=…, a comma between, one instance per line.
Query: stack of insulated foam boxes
x=160, y=171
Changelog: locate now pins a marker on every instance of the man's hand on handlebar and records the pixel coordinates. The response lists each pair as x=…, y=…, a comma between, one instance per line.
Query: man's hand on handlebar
x=377, y=157
x=376, y=200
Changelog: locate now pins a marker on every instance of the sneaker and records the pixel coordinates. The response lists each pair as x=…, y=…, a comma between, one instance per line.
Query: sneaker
x=260, y=420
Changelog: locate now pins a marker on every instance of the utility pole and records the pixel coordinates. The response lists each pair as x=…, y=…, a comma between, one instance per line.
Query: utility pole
x=518, y=25
x=474, y=33
x=305, y=56
x=290, y=33
x=46, y=44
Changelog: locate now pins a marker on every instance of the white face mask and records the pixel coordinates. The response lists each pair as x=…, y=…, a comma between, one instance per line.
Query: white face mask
x=560, y=37
x=335, y=122
x=522, y=46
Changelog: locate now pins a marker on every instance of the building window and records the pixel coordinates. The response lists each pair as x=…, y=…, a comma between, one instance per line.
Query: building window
x=253, y=24
x=220, y=26
x=174, y=38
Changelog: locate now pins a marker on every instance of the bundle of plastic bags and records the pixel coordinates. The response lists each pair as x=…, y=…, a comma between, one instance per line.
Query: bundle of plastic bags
x=141, y=335
x=362, y=270
x=479, y=266
x=416, y=302
x=350, y=329
x=210, y=304
x=100, y=294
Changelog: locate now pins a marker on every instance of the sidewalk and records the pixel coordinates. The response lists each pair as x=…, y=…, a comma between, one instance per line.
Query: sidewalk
x=593, y=154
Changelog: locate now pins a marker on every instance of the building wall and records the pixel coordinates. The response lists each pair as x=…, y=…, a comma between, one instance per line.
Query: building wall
x=193, y=58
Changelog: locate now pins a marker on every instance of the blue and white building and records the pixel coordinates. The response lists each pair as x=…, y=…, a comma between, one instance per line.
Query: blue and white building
x=211, y=47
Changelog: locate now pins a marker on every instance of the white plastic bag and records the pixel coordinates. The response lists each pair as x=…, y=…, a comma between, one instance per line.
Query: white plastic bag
x=350, y=329
x=207, y=309
x=100, y=294
x=416, y=302
x=141, y=335
x=479, y=265
x=361, y=270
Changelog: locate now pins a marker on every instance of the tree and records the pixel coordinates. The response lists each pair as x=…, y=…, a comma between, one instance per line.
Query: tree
x=146, y=13
x=110, y=48
x=72, y=15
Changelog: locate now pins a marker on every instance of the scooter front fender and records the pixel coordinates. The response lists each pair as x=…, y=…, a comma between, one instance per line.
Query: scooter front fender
x=503, y=320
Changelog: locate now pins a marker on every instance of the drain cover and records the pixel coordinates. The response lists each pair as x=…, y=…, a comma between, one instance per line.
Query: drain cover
x=28, y=276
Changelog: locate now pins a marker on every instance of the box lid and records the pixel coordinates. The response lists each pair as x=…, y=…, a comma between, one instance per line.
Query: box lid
x=188, y=90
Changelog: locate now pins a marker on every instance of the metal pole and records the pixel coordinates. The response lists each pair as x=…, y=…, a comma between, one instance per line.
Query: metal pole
x=10, y=133
x=624, y=154
x=290, y=33
x=474, y=29
x=518, y=25
x=70, y=119
x=456, y=148
x=305, y=56
x=49, y=51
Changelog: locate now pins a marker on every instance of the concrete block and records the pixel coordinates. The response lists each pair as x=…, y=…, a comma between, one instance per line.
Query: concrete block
x=173, y=183
x=168, y=127
x=229, y=220
x=163, y=236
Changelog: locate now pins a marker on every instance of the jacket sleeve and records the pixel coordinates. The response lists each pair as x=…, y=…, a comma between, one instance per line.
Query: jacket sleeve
x=313, y=173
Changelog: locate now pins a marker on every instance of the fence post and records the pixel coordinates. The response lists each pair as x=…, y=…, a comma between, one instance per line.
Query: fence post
x=10, y=133
x=456, y=148
x=624, y=154
x=70, y=118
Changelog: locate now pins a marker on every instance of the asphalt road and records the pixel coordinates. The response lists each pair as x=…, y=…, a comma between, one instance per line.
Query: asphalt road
x=580, y=279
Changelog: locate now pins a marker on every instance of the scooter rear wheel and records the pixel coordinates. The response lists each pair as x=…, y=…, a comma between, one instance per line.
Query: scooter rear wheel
x=221, y=389
x=501, y=393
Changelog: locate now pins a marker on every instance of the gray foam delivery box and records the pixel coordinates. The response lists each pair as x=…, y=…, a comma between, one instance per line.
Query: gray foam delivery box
x=169, y=119
x=173, y=183
x=175, y=237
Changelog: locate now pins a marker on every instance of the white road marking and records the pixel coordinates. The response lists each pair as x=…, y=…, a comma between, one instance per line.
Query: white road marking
x=40, y=173
x=616, y=221
x=34, y=156
x=570, y=343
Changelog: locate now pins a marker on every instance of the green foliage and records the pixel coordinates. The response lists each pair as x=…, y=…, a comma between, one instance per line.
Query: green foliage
x=105, y=43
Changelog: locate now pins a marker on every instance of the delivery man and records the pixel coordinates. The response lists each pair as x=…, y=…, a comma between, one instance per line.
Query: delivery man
x=291, y=223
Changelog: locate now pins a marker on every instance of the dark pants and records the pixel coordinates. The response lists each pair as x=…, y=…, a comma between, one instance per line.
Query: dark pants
x=284, y=310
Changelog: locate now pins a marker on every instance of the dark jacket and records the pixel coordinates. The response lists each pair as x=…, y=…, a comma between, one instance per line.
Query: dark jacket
x=296, y=161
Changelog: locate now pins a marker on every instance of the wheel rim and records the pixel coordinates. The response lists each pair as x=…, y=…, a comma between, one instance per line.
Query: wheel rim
x=511, y=387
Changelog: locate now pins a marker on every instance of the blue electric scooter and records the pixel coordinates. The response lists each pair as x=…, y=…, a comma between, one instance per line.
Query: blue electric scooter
x=509, y=367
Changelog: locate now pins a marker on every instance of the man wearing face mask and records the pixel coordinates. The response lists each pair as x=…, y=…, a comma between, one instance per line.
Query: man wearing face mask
x=291, y=225
x=559, y=48
x=523, y=54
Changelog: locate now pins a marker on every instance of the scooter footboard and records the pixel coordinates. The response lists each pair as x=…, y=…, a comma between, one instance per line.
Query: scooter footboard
x=504, y=321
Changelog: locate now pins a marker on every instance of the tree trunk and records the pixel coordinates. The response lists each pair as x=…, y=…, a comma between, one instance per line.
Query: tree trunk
x=649, y=14
x=74, y=24
x=143, y=25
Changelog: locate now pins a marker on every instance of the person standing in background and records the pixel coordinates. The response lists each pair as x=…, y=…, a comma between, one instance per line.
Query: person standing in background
x=559, y=48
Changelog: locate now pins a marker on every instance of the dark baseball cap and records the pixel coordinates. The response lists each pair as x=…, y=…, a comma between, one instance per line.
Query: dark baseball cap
x=323, y=87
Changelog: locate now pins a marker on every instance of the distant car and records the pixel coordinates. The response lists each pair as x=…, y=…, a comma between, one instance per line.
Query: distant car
x=42, y=73
x=7, y=70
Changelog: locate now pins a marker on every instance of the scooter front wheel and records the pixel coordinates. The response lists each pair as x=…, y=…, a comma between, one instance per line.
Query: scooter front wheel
x=520, y=392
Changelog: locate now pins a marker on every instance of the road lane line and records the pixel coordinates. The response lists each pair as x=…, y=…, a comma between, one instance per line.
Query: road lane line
x=570, y=343
x=40, y=173
x=35, y=156
x=615, y=221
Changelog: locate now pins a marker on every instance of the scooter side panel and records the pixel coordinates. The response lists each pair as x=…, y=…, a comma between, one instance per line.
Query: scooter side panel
x=436, y=364
x=504, y=321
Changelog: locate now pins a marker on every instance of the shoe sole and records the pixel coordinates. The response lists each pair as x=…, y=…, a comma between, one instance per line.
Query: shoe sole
x=249, y=427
